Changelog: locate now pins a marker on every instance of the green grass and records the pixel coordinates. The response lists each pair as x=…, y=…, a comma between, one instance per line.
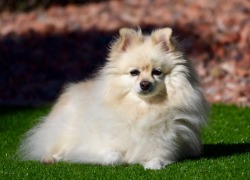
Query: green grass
x=226, y=151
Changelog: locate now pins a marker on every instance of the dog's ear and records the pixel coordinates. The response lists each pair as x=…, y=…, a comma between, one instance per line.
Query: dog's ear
x=163, y=37
x=126, y=37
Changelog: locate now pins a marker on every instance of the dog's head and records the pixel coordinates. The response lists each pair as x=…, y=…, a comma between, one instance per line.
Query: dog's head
x=142, y=62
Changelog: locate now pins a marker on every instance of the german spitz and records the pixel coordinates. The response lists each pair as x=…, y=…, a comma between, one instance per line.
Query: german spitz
x=143, y=106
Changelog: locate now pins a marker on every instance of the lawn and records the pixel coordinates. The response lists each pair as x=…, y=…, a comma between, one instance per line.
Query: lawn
x=226, y=151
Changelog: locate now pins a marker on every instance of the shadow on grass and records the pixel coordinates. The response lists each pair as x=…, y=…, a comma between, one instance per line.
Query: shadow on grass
x=212, y=151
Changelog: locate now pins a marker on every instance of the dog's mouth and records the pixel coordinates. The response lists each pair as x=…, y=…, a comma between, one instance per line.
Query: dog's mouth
x=146, y=93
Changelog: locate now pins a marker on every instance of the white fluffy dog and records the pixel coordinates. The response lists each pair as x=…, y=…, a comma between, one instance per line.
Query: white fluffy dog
x=144, y=106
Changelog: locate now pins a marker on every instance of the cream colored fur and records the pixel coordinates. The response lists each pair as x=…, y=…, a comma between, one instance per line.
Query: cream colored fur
x=110, y=120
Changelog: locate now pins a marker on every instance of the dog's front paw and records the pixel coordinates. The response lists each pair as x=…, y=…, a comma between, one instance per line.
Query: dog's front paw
x=112, y=157
x=48, y=161
x=154, y=164
x=51, y=160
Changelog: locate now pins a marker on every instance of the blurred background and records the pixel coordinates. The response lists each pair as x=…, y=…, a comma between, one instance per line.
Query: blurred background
x=46, y=44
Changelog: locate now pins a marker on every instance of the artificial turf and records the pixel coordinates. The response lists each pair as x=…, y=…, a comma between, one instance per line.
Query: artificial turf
x=226, y=155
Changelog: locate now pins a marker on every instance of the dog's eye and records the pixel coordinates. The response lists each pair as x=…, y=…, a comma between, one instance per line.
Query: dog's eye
x=156, y=72
x=134, y=72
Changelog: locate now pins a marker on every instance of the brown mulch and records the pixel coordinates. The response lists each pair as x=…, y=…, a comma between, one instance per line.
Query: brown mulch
x=41, y=50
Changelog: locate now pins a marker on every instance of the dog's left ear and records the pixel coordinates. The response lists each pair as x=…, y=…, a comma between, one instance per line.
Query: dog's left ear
x=163, y=37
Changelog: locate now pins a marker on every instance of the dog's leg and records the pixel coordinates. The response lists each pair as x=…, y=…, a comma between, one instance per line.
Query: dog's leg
x=156, y=163
x=111, y=157
x=52, y=159
x=104, y=156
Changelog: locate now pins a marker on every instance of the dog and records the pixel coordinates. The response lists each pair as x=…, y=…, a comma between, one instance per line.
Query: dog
x=145, y=106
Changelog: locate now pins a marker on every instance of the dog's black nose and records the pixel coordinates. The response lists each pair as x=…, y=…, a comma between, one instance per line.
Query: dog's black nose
x=145, y=85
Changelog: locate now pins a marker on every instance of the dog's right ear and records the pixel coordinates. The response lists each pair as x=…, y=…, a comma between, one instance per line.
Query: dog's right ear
x=126, y=37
